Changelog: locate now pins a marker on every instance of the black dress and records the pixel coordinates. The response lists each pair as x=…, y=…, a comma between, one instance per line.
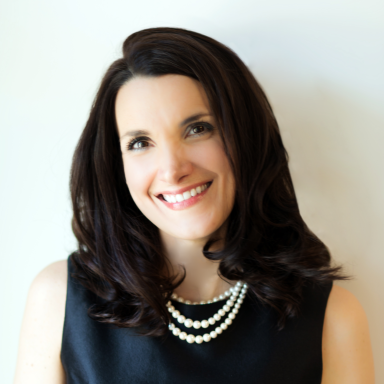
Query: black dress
x=251, y=350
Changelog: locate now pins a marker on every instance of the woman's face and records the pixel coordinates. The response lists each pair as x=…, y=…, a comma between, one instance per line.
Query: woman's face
x=172, y=151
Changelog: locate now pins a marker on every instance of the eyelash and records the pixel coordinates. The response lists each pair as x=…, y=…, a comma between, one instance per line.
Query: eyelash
x=207, y=126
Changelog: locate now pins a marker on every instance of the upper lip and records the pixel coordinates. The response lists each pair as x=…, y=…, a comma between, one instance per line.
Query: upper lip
x=181, y=190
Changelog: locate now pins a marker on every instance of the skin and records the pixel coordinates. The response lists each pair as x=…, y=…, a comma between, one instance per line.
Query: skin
x=171, y=158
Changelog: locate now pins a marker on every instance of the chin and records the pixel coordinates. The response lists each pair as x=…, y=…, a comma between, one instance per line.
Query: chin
x=197, y=234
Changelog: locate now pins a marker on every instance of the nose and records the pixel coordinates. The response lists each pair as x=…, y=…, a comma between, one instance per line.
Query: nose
x=173, y=164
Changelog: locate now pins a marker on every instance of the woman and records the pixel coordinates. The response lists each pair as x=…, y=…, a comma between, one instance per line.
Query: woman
x=193, y=263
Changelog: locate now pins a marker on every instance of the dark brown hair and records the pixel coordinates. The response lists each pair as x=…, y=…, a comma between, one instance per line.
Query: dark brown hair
x=267, y=243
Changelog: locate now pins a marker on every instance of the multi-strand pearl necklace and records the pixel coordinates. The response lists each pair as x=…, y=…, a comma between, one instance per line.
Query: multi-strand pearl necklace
x=217, y=298
x=239, y=292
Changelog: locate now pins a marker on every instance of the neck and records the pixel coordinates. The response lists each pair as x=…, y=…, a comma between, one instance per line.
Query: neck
x=202, y=281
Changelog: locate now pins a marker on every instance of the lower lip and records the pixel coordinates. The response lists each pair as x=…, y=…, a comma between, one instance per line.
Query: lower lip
x=186, y=203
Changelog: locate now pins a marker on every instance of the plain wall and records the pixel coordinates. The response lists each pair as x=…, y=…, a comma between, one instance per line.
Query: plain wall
x=320, y=63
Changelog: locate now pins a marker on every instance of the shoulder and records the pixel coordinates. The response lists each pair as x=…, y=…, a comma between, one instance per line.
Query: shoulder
x=48, y=290
x=346, y=346
x=38, y=359
x=54, y=275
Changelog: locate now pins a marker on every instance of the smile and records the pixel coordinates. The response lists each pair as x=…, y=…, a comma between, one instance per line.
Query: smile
x=185, y=199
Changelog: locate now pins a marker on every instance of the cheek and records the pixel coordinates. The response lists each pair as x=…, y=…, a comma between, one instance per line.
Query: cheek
x=213, y=158
x=138, y=179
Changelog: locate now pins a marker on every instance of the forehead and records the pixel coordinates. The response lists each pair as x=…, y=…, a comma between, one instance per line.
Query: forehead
x=165, y=99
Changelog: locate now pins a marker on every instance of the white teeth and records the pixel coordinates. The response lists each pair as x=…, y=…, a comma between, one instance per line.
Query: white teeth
x=186, y=195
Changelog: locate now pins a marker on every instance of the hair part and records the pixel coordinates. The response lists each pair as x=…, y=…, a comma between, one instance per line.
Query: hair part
x=267, y=243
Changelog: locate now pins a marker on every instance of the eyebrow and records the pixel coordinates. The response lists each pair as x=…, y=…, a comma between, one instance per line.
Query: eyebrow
x=186, y=121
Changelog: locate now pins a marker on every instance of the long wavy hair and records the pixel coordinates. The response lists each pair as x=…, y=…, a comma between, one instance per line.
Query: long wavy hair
x=267, y=243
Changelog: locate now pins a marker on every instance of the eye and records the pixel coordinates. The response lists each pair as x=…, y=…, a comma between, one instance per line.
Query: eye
x=137, y=144
x=200, y=128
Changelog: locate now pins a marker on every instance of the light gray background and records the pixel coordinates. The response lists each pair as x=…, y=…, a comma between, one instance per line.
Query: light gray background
x=320, y=62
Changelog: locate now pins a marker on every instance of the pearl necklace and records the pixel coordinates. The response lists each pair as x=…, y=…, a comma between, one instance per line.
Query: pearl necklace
x=239, y=290
x=216, y=298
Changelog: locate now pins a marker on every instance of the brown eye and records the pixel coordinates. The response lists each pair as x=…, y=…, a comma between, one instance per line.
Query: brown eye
x=137, y=144
x=200, y=129
x=197, y=129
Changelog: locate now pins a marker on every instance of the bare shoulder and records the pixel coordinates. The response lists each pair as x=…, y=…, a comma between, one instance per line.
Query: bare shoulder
x=347, y=351
x=38, y=359
x=54, y=275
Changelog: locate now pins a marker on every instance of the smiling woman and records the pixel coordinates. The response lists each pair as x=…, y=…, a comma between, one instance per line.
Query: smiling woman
x=189, y=234
x=181, y=162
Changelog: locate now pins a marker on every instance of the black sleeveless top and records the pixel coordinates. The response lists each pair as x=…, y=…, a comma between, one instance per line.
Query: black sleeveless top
x=251, y=350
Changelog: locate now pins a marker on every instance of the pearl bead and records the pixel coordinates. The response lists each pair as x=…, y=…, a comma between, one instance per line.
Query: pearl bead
x=245, y=285
x=190, y=339
x=231, y=290
x=233, y=299
x=175, y=314
x=207, y=337
x=188, y=323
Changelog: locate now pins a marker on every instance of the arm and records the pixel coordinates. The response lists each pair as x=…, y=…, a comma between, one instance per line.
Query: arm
x=347, y=351
x=38, y=359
